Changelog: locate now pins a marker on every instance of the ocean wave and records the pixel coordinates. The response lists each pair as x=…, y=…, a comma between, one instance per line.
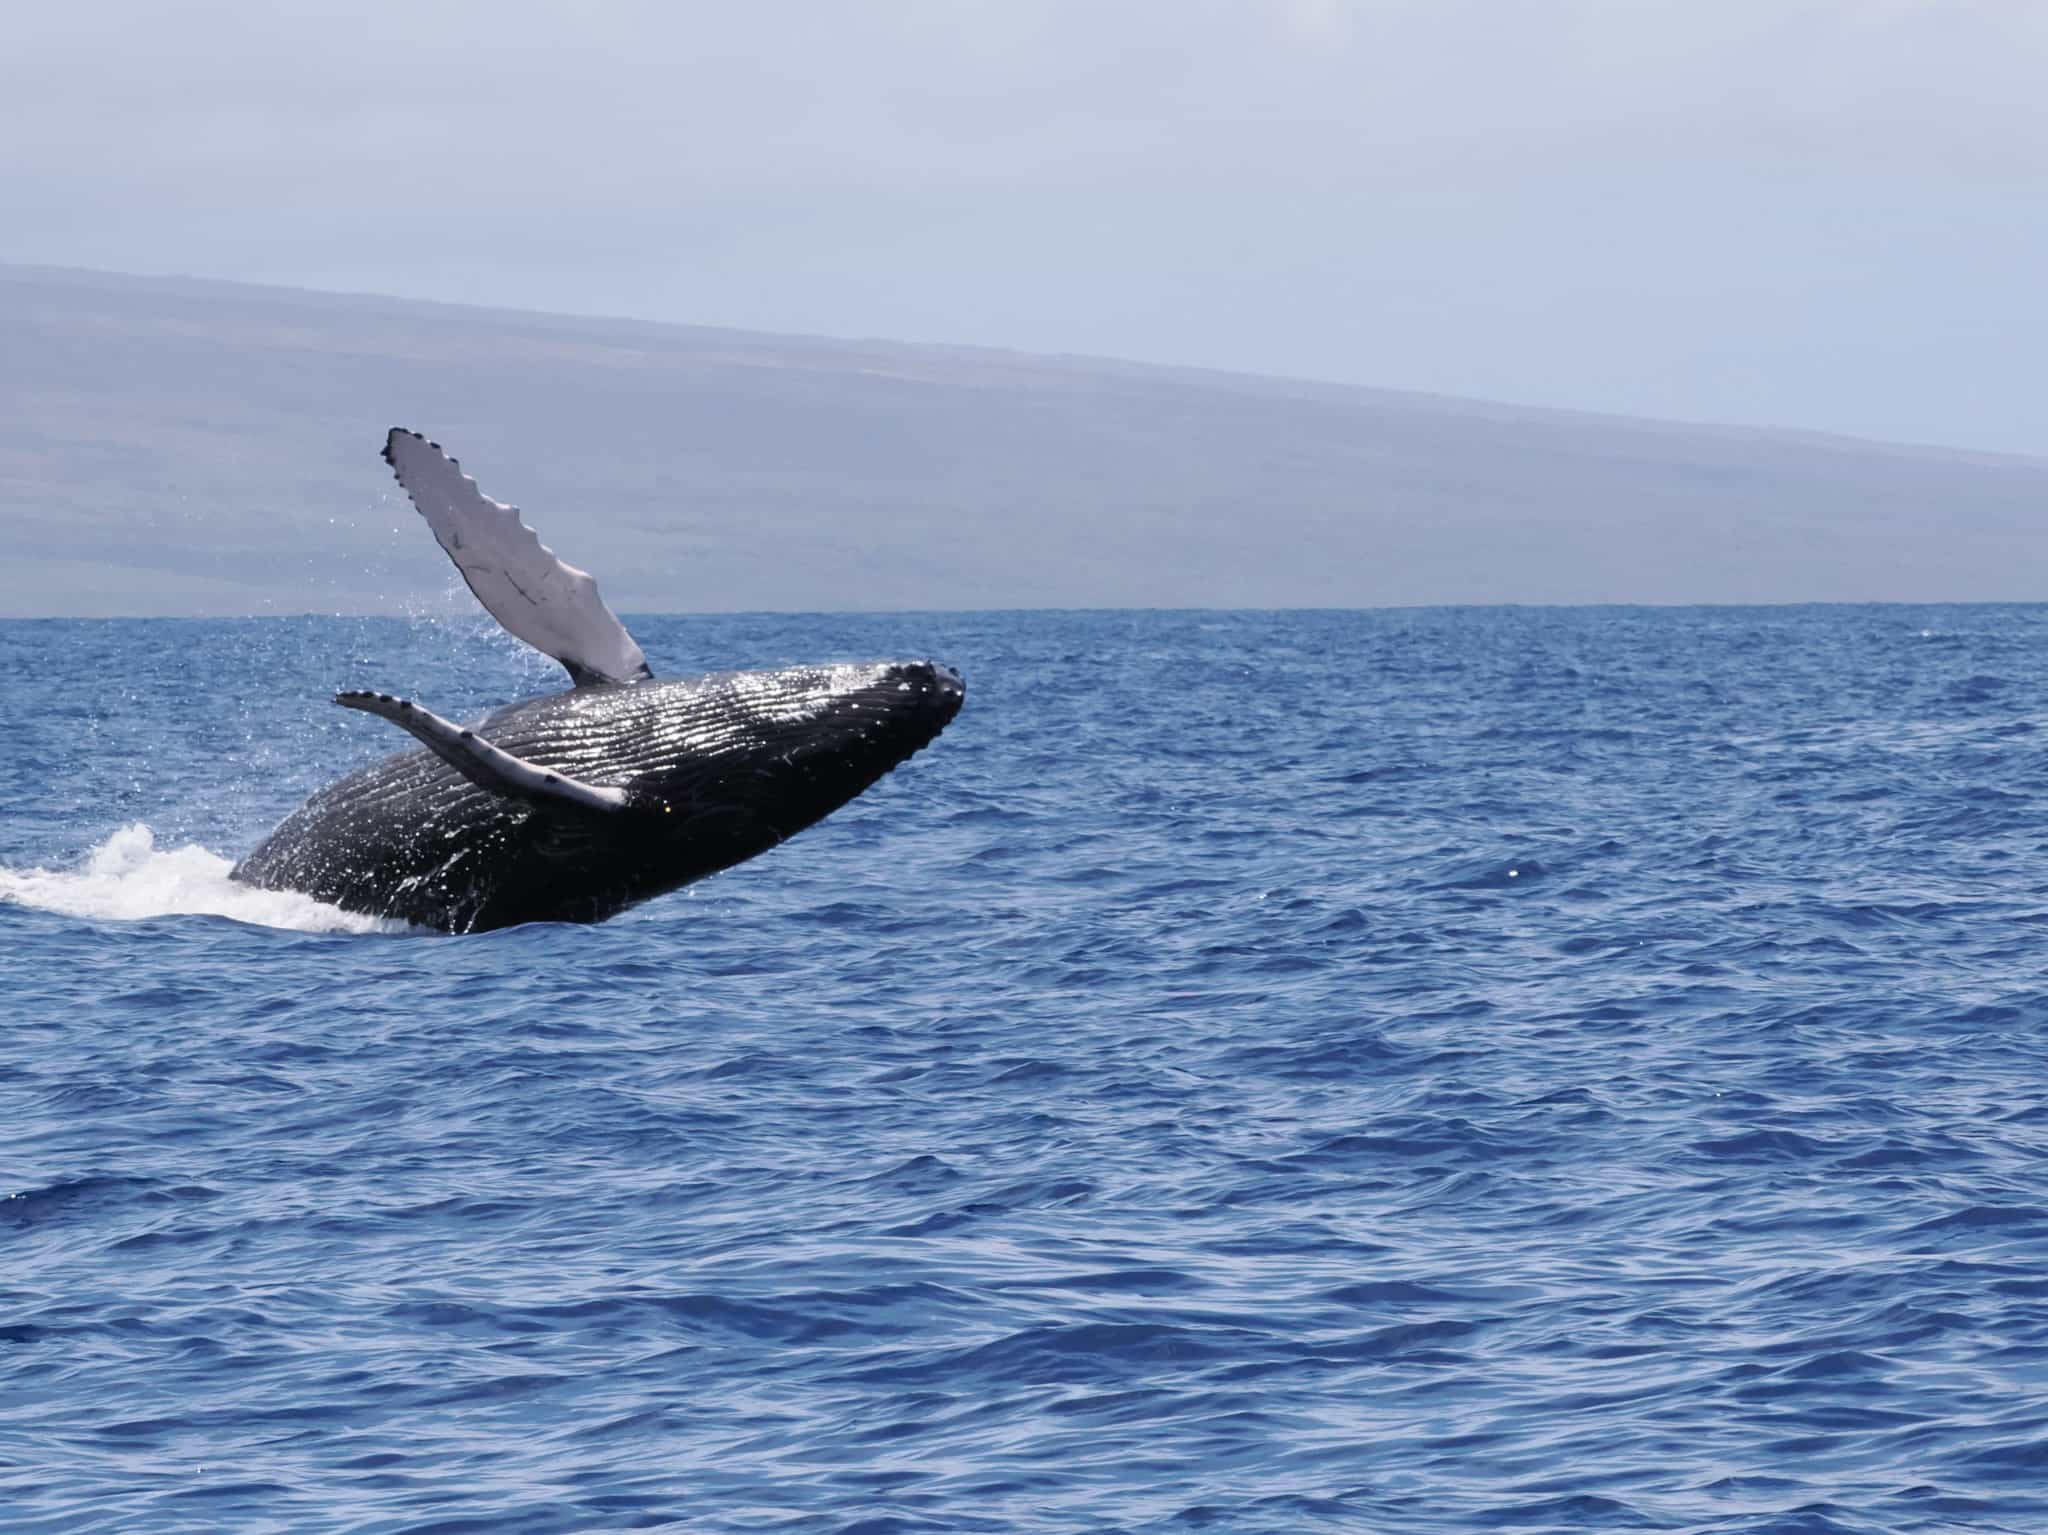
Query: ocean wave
x=128, y=878
x=1210, y=1092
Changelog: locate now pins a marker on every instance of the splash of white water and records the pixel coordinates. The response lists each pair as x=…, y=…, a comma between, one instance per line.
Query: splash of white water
x=129, y=877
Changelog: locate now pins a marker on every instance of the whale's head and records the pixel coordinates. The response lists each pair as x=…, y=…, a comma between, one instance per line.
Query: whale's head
x=725, y=766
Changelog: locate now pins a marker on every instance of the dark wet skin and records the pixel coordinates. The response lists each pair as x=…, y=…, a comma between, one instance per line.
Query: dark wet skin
x=717, y=769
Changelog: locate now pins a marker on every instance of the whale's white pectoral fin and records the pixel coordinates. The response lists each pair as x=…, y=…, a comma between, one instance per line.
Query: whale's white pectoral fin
x=552, y=606
x=483, y=764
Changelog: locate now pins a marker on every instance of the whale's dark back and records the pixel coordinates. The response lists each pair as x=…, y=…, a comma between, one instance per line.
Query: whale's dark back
x=730, y=765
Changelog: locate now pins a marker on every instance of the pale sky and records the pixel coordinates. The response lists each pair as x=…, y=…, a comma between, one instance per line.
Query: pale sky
x=1809, y=213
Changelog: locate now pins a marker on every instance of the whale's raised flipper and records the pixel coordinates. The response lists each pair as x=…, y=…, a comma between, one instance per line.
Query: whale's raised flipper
x=485, y=765
x=552, y=606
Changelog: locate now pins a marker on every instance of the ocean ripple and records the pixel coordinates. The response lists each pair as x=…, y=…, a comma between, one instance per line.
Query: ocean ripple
x=1540, y=1071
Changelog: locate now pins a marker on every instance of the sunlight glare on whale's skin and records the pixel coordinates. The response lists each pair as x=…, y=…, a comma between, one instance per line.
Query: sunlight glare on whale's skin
x=128, y=878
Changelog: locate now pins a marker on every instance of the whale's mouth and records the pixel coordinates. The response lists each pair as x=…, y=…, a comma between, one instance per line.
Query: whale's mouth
x=904, y=710
x=802, y=761
x=940, y=689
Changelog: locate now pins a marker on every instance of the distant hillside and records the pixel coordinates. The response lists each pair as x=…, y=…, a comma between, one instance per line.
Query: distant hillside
x=182, y=447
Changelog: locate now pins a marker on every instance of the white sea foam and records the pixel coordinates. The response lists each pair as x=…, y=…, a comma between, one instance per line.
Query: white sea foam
x=128, y=877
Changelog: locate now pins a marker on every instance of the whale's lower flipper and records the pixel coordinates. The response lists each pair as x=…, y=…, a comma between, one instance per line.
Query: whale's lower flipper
x=542, y=600
x=498, y=772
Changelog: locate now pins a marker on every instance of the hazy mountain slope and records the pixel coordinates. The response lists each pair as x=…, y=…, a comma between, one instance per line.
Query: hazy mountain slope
x=173, y=447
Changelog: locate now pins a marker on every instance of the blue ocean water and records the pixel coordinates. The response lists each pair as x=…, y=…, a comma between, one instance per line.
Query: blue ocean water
x=1399, y=1071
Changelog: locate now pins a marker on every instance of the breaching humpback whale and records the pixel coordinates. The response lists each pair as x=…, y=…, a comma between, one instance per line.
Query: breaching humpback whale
x=573, y=806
